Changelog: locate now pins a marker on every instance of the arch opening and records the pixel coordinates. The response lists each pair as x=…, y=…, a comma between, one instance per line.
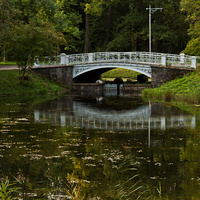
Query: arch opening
x=90, y=74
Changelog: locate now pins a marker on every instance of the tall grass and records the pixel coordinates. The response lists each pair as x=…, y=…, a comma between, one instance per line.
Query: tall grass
x=134, y=187
x=73, y=188
x=8, y=189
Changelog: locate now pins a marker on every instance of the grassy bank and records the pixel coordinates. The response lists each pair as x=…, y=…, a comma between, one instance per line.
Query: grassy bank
x=120, y=73
x=186, y=89
x=10, y=85
x=7, y=63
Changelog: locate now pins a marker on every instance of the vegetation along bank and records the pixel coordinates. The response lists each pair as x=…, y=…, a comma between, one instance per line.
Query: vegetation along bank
x=10, y=84
x=186, y=89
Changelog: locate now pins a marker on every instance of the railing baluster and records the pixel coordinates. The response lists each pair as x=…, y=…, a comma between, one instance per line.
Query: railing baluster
x=124, y=57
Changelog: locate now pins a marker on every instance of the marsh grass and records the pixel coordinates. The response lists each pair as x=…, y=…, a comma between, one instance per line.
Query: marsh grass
x=134, y=187
x=73, y=188
x=8, y=190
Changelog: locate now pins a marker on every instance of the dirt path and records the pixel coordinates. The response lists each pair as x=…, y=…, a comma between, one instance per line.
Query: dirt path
x=8, y=67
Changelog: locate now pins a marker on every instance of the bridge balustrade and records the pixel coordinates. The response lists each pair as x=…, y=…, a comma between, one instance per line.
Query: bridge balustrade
x=160, y=59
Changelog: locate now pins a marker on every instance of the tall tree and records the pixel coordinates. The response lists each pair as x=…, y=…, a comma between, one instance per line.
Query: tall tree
x=192, y=9
x=69, y=22
x=7, y=14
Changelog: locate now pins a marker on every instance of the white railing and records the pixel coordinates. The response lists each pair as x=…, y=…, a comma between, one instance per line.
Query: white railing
x=160, y=59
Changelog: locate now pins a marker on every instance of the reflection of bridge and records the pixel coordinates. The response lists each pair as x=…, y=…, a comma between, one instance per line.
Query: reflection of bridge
x=88, y=67
x=88, y=117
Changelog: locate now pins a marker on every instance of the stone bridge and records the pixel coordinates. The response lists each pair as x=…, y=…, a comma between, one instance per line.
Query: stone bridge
x=87, y=68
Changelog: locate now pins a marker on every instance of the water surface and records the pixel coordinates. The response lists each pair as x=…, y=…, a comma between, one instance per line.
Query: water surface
x=103, y=148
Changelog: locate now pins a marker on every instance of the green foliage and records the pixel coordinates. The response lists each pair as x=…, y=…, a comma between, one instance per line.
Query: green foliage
x=30, y=42
x=68, y=20
x=193, y=16
x=7, y=189
x=105, y=25
x=127, y=28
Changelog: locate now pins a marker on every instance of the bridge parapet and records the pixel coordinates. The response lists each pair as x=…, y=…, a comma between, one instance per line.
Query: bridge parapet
x=159, y=59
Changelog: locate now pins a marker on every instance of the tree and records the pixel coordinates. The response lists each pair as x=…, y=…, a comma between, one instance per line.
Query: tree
x=7, y=14
x=30, y=42
x=192, y=9
x=124, y=26
x=69, y=21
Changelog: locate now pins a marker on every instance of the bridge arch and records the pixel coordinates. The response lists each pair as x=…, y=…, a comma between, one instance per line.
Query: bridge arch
x=96, y=69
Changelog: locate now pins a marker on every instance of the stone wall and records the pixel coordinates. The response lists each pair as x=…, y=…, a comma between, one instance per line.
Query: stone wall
x=161, y=75
x=88, y=89
x=134, y=88
x=61, y=74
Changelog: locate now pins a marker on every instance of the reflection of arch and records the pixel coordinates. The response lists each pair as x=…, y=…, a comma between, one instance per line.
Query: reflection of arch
x=85, y=115
x=82, y=110
x=82, y=69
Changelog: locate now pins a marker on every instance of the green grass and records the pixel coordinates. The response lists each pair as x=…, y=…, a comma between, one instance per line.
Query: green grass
x=7, y=63
x=120, y=73
x=11, y=85
x=186, y=89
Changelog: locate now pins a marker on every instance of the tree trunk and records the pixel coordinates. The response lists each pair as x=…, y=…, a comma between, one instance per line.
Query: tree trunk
x=87, y=37
x=4, y=55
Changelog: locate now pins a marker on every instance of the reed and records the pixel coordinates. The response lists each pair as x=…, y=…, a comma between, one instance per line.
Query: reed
x=73, y=188
x=134, y=187
x=8, y=190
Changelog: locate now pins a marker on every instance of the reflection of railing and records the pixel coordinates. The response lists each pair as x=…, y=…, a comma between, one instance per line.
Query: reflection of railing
x=115, y=123
x=121, y=57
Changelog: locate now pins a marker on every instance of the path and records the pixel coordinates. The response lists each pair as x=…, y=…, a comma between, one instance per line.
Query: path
x=8, y=67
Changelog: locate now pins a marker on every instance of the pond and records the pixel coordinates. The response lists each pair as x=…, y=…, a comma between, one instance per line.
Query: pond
x=111, y=147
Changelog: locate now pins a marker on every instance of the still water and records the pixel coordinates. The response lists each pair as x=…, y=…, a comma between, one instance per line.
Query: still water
x=99, y=148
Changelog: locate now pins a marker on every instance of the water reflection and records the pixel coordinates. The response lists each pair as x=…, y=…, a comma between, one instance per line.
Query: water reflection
x=86, y=141
x=87, y=116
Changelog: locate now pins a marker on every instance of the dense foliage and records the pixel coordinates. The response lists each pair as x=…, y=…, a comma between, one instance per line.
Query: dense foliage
x=193, y=17
x=99, y=25
x=45, y=27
